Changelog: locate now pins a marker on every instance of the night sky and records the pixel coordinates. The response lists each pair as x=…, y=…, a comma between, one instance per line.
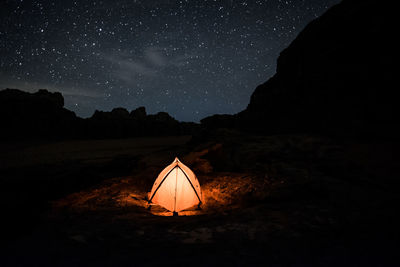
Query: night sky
x=188, y=58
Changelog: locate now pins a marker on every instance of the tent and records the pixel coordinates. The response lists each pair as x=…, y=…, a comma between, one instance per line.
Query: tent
x=176, y=188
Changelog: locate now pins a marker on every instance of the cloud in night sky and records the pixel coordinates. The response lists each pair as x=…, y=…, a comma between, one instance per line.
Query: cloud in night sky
x=152, y=64
x=128, y=70
x=155, y=56
x=189, y=58
x=32, y=86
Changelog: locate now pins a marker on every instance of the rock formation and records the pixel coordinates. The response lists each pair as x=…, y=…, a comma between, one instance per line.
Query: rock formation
x=337, y=77
x=38, y=115
x=41, y=115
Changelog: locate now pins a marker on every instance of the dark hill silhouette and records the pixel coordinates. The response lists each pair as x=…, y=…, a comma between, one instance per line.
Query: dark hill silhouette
x=38, y=115
x=119, y=123
x=41, y=115
x=335, y=78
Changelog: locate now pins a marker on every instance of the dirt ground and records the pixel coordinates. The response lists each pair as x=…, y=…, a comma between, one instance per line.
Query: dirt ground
x=270, y=201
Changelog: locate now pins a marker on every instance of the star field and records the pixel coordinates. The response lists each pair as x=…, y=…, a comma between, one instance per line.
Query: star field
x=189, y=58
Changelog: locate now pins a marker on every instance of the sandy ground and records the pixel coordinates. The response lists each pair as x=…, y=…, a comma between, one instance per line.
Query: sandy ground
x=275, y=201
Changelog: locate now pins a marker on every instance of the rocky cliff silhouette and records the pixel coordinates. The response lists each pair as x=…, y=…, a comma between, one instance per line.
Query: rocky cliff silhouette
x=38, y=115
x=337, y=77
x=41, y=115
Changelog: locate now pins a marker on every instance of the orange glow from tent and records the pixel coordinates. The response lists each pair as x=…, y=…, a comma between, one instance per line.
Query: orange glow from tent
x=176, y=188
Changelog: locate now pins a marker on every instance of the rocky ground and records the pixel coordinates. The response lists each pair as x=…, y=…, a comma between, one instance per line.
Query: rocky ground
x=293, y=200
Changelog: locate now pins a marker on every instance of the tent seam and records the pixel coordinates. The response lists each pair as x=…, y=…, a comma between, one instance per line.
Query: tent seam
x=151, y=198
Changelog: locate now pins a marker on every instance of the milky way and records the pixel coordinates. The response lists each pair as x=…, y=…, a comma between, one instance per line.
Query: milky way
x=188, y=58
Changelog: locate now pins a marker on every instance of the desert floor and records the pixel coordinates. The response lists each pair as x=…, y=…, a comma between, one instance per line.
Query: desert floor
x=275, y=201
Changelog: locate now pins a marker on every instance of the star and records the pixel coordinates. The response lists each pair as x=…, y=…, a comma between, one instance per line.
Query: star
x=191, y=59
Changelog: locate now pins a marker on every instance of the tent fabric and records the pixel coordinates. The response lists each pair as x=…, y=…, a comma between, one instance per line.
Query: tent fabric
x=176, y=188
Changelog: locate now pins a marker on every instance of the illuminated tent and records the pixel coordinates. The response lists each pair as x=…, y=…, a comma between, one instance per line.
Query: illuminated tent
x=176, y=188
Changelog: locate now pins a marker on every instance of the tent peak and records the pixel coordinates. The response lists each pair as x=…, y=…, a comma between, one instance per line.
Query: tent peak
x=176, y=188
